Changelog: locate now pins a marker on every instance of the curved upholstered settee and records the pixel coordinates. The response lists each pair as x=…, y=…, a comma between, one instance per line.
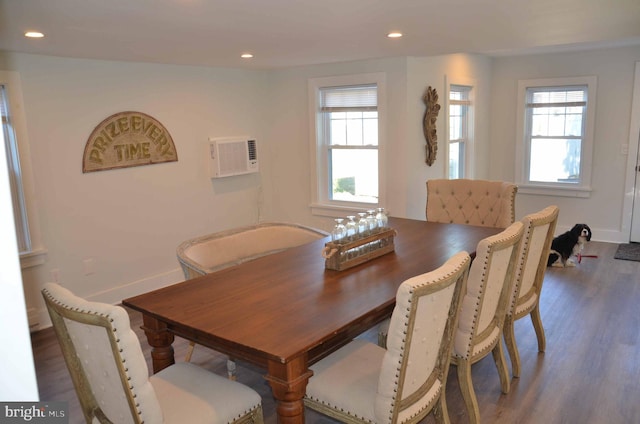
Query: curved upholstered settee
x=212, y=252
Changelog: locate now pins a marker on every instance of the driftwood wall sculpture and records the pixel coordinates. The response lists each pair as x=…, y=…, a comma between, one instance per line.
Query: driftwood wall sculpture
x=430, y=99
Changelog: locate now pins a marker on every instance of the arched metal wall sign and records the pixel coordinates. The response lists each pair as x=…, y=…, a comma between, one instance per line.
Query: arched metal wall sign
x=128, y=139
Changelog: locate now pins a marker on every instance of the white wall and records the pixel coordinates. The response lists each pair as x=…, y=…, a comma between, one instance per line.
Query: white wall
x=405, y=169
x=432, y=71
x=130, y=221
x=288, y=195
x=614, y=68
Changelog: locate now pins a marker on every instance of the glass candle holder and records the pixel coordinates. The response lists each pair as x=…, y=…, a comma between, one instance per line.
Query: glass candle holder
x=371, y=220
x=352, y=228
x=363, y=225
x=339, y=231
x=381, y=218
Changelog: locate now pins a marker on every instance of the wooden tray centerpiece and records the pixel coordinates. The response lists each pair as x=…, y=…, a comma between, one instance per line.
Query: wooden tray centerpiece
x=345, y=254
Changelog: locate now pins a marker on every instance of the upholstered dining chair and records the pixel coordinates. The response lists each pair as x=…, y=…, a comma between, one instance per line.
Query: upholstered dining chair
x=474, y=202
x=364, y=383
x=111, y=377
x=483, y=311
x=539, y=228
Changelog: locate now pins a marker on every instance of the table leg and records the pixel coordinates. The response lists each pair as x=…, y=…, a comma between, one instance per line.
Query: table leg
x=160, y=341
x=289, y=383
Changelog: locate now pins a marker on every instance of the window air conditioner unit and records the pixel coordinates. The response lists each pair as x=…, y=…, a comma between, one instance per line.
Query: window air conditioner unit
x=232, y=156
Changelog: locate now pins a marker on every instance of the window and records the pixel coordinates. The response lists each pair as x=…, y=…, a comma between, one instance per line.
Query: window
x=15, y=175
x=347, y=117
x=557, y=136
x=13, y=136
x=460, y=130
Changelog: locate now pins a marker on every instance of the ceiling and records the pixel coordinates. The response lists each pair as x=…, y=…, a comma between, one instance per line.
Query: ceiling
x=286, y=33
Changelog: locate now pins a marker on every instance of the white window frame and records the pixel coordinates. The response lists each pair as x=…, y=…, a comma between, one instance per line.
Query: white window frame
x=320, y=203
x=35, y=254
x=471, y=125
x=522, y=148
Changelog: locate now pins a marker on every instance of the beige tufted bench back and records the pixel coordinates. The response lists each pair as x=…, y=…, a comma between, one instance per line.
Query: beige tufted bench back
x=473, y=202
x=212, y=252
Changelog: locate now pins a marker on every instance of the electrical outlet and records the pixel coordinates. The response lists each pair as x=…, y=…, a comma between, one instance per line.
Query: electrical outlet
x=89, y=266
x=624, y=149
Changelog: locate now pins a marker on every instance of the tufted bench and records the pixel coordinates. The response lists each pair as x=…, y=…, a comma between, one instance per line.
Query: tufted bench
x=473, y=202
x=210, y=253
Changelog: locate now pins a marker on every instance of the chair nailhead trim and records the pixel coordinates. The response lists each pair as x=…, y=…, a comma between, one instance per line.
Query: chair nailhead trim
x=113, y=329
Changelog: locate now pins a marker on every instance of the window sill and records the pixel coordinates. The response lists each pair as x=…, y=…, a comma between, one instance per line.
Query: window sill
x=34, y=258
x=340, y=211
x=582, y=192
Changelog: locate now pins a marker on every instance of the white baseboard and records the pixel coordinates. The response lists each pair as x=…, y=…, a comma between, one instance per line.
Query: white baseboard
x=34, y=318
x=116, y=294
x=39, y=319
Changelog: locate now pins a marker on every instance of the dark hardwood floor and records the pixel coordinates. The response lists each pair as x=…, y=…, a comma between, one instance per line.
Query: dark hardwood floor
x=590, y=372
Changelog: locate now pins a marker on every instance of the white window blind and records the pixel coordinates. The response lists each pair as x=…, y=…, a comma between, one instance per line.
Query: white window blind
x=354, y=98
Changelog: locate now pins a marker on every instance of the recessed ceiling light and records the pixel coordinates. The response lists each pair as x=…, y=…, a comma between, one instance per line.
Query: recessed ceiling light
x=33, y=34
x=394, y=34
x=246, y=56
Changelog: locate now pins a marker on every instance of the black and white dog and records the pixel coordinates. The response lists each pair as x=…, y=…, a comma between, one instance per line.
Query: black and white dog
x=568, y=245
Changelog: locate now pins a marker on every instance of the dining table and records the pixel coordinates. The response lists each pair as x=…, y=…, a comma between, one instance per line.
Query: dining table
x=285, y=311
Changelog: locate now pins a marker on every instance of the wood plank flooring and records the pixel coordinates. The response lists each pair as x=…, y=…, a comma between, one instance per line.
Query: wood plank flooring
x=590, y=372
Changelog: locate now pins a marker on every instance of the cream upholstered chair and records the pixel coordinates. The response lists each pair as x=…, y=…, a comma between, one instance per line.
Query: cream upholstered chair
x=216, y=251
x=111, y=377
x=463, y=201
x=483, y=311
x=473, y=202
x=539, y=228
x=364, y=383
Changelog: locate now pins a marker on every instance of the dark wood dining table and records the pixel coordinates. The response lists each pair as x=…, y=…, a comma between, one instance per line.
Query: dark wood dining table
x=285, y=311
